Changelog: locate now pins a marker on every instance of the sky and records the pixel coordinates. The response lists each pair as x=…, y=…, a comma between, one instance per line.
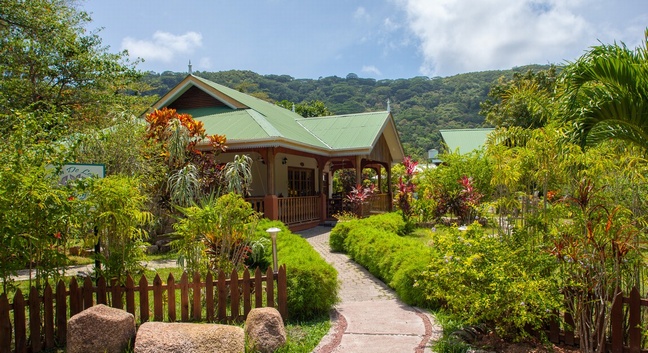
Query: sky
x=381, y=39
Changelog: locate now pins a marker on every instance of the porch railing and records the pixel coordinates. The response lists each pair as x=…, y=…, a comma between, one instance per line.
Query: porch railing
x=379, y=203
x=257, y=203
x=295, y=210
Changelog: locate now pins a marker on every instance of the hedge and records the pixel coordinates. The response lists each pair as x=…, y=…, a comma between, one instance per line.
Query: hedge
x=312, y=282
x=375, y=243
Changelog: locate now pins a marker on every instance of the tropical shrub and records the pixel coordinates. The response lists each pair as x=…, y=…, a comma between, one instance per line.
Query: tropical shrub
x=215, y=235
x=484, y=279
x=312, y=282
x=116, y=207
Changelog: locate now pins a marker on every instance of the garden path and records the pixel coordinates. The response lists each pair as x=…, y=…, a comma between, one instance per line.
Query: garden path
x=369, y=317
x=23, y=275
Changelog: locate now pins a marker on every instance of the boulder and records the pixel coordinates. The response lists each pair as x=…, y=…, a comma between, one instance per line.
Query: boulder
x=100, y=329
x=265, y=329
x=179, y=337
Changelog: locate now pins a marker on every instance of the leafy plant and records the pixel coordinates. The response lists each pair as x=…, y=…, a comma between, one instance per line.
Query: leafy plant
x=116, y=207
x=215, y=235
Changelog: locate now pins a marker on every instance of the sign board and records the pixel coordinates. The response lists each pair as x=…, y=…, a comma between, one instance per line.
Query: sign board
x=74, y=171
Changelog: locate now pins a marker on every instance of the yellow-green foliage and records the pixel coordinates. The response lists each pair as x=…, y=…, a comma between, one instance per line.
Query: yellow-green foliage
x=483, y=278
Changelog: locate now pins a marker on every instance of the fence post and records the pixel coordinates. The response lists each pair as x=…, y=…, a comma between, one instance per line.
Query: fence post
x=116, y=294
x=171, y=297
x=61, y=312
x=101, y=291
x=34, y=320
x=144, y=299
x=130, y=295
x=184, y=297
x=19, y=322
x=246, y=294
x=234, y=295
x=88, y=290
x=75, y=305
x=222, y=297
x=634, y=321
x=209, y=296
x=158, y=312
x=282, y=293
x=48, y=311
x=197, y=309
x=5, y=325
x=258, y=289
x=270, y=288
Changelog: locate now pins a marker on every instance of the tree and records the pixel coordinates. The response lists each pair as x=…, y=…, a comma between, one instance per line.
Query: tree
x=308, y=109
x=50, y=62
x=520, y=100
x=607, y=95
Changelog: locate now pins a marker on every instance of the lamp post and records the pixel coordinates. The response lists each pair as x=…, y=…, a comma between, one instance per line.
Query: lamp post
x=273, y=235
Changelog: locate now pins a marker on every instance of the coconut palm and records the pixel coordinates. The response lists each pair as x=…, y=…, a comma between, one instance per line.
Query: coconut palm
x=606, y=95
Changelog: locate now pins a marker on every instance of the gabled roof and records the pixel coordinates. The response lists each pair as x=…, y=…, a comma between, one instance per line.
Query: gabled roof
x=248, y=122
x=465, y=140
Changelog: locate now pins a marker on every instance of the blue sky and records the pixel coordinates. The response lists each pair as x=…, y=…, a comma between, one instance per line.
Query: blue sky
x=381, y=39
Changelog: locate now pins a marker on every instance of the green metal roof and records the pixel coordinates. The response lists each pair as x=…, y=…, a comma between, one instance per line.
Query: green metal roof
x=465, y=140
x=348, y=131
x=252, y=121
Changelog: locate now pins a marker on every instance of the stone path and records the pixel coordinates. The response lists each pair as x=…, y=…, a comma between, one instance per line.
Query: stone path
x=369, y=317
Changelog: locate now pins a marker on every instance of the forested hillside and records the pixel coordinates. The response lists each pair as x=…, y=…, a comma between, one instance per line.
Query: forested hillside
x=421, y=105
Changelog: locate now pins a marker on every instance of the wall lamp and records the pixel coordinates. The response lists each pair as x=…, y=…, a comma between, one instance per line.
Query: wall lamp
x=284, y=160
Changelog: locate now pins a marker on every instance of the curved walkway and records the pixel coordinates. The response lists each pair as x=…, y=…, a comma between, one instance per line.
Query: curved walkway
x=369, y=317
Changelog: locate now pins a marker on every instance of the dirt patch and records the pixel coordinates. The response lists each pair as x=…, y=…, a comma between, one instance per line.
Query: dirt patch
x=493, y=343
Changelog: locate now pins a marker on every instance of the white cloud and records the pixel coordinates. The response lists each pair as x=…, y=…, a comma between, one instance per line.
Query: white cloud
x=361, y=14
x=163, y=46
x=464, y=35
x=370, y=69
x=205, y=63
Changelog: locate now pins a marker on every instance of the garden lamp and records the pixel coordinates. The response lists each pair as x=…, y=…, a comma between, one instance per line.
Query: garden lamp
x=273, y=235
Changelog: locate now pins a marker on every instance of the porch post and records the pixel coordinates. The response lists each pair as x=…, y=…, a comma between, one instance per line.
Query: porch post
x=390, y=193
x=358, y=168
x=270, y=201
x=270, y=178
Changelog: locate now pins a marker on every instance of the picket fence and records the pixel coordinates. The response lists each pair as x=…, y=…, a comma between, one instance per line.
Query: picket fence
x=40, y=322
x=625, y=334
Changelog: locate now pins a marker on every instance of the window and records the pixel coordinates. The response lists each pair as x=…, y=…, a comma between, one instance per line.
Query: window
x=301, y=182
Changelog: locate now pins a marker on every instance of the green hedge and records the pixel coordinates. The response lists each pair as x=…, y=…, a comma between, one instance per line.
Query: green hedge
x=312, y=282
x=375, y=243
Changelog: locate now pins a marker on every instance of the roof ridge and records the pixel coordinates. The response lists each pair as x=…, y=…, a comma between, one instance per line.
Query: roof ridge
x=313, y=134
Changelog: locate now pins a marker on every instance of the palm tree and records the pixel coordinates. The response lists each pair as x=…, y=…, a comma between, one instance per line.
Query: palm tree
x=606, y=95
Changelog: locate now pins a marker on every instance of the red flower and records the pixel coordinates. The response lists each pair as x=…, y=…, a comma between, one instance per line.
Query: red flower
x=57, y=235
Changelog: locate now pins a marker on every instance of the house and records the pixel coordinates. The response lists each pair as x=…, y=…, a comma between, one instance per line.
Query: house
x=464, y=141
x=294, y=157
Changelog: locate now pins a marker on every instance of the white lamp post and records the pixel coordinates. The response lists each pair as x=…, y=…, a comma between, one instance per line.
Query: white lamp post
x=273, y=235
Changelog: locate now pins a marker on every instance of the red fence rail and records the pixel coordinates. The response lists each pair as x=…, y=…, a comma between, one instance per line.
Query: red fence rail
x=40, y=322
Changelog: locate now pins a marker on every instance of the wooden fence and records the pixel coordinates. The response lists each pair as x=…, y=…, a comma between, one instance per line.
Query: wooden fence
x=625, y=333
x=40, y=322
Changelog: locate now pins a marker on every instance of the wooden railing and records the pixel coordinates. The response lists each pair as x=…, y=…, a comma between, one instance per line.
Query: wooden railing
x=295, y=210
x=257, y=203
x=379, y=203
x=40, y=322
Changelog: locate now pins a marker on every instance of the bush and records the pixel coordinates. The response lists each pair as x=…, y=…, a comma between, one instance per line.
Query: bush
x=483, y=278
x=312, y=282
x=374, y=243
